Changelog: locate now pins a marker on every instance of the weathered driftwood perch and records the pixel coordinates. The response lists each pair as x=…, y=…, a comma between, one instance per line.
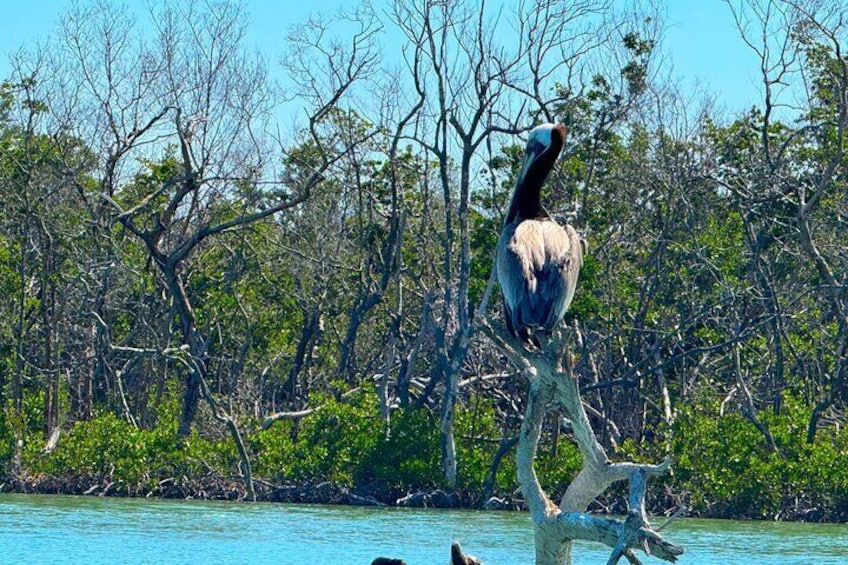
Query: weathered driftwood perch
x=556, y=526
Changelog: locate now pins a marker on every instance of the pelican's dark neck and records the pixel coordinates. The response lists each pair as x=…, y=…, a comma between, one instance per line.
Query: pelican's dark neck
x=526, y=203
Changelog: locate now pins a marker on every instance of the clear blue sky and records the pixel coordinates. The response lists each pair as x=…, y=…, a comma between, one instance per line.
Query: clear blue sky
x=705, y=48
x=701, y=42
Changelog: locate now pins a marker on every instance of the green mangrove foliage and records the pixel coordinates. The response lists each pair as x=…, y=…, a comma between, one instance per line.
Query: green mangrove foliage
x=722, y=465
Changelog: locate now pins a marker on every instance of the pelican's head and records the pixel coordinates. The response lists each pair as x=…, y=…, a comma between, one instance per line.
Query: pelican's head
x=545, y=140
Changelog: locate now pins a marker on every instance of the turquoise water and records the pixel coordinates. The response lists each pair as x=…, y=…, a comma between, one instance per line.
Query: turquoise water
x=38, y=529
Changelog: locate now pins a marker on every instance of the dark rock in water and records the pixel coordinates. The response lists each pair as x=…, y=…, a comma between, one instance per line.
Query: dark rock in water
x=460, y=558
x=388, y=561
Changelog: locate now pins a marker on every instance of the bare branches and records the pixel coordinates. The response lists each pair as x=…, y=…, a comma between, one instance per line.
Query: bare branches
x=342, y=60
x=797, y=41
x=296, y=415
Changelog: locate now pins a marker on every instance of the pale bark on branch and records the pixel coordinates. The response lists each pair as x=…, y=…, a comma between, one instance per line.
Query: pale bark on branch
x=552, y=381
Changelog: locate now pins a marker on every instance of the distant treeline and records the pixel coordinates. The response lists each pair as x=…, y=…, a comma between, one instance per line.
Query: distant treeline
x=199, y=304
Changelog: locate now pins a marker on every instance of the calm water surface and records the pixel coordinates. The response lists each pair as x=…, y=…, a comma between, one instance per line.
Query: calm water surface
x=38, y=529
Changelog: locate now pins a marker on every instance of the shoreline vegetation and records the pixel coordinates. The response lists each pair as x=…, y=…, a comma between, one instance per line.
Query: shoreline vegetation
x=342, y=455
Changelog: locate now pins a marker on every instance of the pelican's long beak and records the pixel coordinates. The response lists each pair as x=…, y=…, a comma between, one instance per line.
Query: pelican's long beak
x=534, y=149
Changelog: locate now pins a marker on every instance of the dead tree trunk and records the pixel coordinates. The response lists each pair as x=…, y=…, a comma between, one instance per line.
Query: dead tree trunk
x=556, y=526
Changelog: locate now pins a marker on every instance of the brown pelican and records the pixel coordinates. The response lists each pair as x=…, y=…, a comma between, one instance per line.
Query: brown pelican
x=538, y=260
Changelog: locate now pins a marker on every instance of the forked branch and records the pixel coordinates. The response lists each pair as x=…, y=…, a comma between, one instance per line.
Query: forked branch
x=552, y=381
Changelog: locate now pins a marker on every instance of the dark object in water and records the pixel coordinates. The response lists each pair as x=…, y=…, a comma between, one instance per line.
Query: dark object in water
x=460, y=558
